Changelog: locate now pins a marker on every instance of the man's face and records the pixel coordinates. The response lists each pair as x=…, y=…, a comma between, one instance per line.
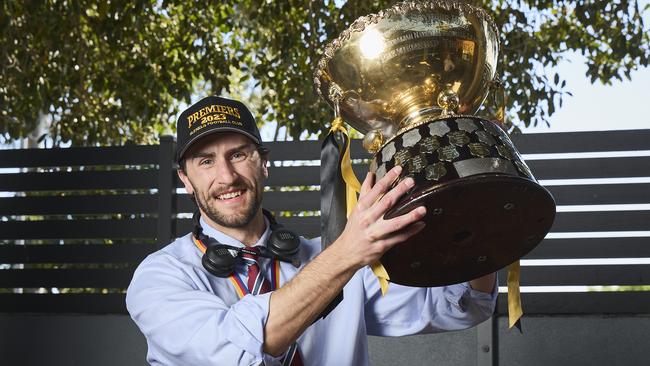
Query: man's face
x=225, y=172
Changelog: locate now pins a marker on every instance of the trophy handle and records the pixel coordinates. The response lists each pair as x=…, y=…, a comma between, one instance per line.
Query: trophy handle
x=498, y=92
x=335, y=94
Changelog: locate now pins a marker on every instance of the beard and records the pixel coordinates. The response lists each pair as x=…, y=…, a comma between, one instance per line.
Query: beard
x=205, y=201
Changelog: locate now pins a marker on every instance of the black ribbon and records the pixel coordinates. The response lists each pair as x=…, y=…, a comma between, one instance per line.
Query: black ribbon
x=333, y=208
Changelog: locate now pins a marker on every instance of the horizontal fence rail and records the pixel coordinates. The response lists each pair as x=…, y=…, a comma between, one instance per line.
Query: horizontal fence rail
x=75, y=223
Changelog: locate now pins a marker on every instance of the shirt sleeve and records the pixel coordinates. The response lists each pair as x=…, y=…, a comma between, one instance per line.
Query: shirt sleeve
x=412, y=310
x=186, y=325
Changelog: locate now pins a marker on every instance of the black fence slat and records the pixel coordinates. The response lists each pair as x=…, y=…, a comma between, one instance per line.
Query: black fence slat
x=601, y=221
x=293, y=150
x=75, y=253
x=582, y=275
x=79, y=156
x=183, y=203
x=292, y=201
x=572, y=142
x=79, y=180
x=75, y=278
x=86, y=204
x=601, y=194
x=294, y=176
x=79, y=229
x=580, y=303
x=591, y=248
x=112, y=303
x=619, y=167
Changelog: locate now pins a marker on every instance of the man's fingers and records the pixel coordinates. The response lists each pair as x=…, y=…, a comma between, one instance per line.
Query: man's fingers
x=405, y=234
x=367, y=184
x=389, y=200
x=400, y=222
x=380, y=187
x=388, y=228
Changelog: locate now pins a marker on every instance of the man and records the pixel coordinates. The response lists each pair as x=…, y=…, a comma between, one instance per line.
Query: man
x=191, y=317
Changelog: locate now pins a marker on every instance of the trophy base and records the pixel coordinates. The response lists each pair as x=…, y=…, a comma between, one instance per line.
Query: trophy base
x=475, y=225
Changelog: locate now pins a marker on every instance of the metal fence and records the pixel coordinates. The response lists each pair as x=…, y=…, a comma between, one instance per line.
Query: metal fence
x=74, y=223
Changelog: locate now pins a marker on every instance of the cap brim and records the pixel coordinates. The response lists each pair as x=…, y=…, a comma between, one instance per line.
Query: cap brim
x=193, y=139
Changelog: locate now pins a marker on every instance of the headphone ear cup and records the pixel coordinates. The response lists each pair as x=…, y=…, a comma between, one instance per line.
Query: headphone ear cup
x=283, y=242
x=218, y=261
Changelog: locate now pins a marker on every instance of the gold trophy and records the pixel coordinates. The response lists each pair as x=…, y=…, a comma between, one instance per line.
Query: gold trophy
x=410, y=78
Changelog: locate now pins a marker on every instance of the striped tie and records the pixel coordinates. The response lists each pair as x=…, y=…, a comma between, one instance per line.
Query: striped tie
x=258, y=284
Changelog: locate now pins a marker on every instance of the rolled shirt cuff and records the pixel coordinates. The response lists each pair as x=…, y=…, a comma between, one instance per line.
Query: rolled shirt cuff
x=249, y=315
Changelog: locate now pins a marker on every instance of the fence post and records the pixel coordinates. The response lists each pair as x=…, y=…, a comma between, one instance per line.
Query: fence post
x=166, y=191
x=486, y=342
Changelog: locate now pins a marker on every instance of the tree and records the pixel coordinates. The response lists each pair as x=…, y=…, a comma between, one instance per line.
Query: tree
x=116, y=72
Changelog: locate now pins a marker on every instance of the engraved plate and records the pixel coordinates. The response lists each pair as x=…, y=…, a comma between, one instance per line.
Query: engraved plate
x=418, y=163
x=388, y=152
x=479, y=149
x=381, y=171
x=458, y=138
x=485, y=138
x=411, y=138
x=439, y=128
x=429, y=144
x=466, y=124
x=435, y=171
x=402, y=156
x=468, y=167
x=504, y=151
x=447, y=153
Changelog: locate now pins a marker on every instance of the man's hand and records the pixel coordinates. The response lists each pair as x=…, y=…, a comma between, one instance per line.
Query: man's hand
x=367, y=235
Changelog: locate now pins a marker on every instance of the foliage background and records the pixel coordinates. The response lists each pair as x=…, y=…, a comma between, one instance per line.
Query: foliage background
x=116, y=72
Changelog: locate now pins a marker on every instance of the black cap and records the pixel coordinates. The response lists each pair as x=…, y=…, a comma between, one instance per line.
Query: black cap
x=213, y=114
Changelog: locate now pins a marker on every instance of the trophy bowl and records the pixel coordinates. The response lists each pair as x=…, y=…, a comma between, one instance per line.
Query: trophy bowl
x=410, y=78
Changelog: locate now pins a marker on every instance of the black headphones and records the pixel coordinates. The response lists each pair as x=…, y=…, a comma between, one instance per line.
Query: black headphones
x=220, y=259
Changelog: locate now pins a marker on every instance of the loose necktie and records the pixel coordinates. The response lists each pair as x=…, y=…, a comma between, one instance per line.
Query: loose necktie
x=258, y=284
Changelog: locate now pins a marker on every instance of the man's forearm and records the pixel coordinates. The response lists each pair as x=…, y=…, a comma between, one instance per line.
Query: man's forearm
x=366, y=237
x=484, y=284
x=296, y=305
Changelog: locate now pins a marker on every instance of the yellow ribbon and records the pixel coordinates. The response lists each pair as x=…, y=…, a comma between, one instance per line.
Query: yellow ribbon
x=514, y=297
x=352, y=187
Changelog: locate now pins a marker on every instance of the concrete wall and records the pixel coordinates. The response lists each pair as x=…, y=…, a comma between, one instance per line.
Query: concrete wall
x=114, y=340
